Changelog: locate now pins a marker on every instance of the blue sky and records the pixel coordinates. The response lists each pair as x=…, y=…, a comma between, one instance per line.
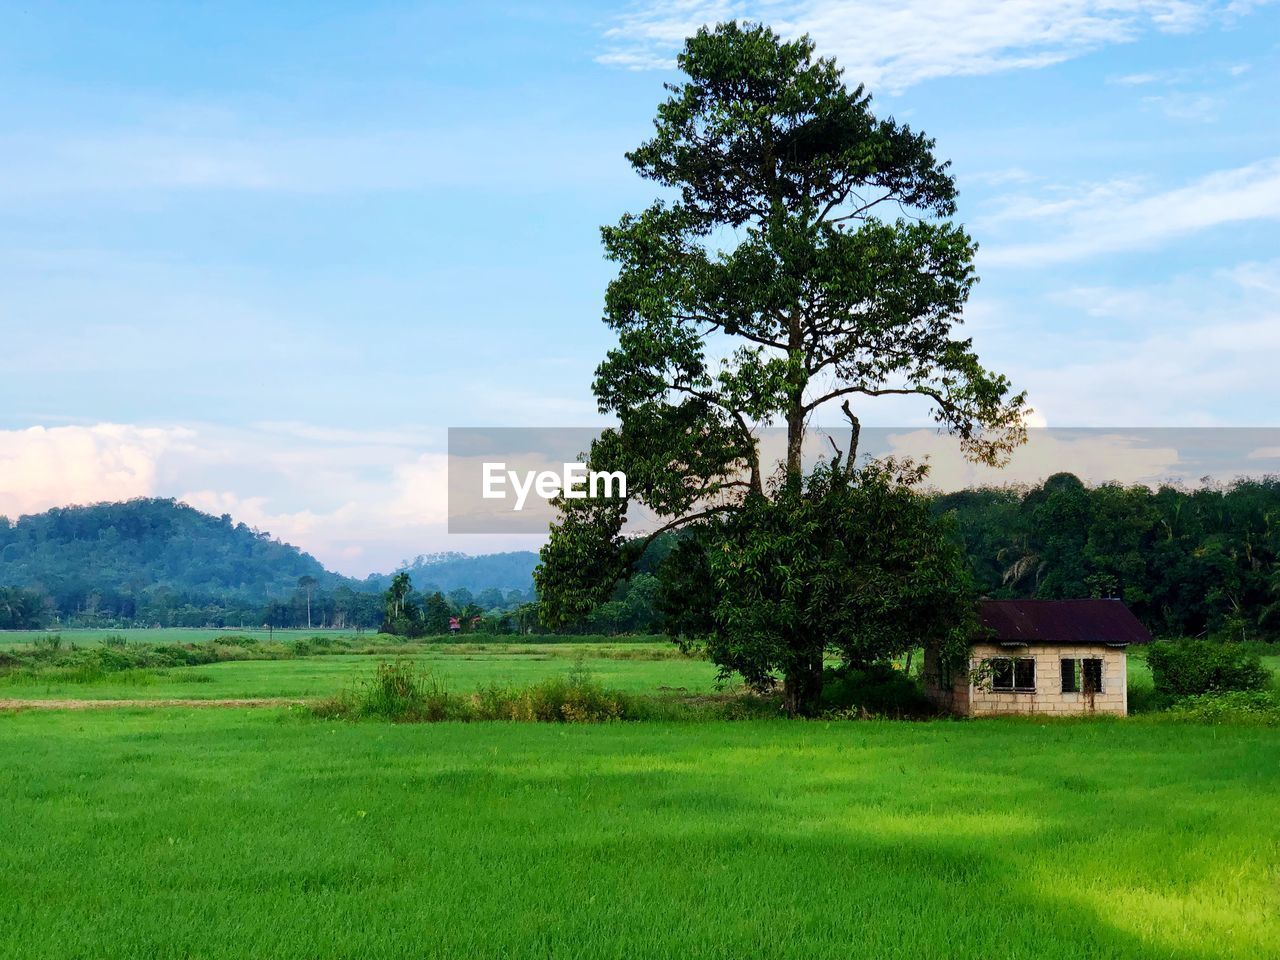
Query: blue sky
x=260, y=256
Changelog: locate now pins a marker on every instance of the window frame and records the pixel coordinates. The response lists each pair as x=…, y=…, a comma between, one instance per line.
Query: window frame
x=1102, y=675
x=1013, y=674
x=1074, y=674
x=1078, y=684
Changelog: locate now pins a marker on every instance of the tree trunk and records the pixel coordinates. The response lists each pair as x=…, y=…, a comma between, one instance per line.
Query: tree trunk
x=795, y=442
x=802, y=688
x=855, y=433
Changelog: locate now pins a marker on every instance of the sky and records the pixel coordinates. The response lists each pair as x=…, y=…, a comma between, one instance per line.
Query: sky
x=260, y=257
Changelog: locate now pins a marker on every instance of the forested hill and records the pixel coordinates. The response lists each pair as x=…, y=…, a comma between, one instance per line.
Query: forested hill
x=453, y=571
x=153, y=561
x=128, y=548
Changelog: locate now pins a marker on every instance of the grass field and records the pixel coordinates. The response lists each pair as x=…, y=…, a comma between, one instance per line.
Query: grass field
x=89, y=636
x=173, y=832
x=633, y=665
x=235, y=833
x=461, y=668
x=84, y=637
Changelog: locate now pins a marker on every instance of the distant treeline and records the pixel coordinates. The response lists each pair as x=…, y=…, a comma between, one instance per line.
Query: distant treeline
x=1202, y=562
x=154, y=562
x=1196, y=563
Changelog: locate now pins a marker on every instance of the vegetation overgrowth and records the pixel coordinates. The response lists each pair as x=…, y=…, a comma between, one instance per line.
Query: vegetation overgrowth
x=1234, y=707
x=1191, y=667
x=231, y=671
x=404, y=691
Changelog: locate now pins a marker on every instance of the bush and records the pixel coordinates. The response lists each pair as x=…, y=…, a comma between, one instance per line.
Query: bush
x=405, y=693
x=235, y=640
x=48, y=643
x=878, y=689
x=1189, y=667
x=1251, y=707
x=400, y=692
x=556, y=700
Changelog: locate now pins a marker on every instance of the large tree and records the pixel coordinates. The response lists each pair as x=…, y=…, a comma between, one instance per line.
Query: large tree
x=768, y=286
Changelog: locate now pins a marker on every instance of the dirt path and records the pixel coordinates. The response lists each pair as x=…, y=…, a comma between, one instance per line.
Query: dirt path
x=104, y=704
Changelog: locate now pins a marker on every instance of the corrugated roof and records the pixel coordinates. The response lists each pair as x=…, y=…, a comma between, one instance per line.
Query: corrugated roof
x=1061, y=621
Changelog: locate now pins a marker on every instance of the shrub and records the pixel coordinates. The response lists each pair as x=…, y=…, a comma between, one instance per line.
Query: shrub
x=48, y=643
x=1189, y=667
x=878, y=689
x=402, y=692
x=1252, y=707
x=115, y=641
x=572, y=699
x=235, y=640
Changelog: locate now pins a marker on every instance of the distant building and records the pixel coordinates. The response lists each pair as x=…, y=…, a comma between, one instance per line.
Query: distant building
x=1055, y=657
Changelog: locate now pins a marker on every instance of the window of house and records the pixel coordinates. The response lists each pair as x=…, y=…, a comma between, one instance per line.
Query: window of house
x=1082, y=676
x=1013, y=673
x=1070, y=677
x=1002, y=674
x=1024, y=673
x=1091, y=673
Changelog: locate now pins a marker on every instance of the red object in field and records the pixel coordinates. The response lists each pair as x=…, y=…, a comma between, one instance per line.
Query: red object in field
x=453, y=623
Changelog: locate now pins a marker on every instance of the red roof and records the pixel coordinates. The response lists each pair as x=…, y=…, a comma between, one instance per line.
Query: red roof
x=1061, y=621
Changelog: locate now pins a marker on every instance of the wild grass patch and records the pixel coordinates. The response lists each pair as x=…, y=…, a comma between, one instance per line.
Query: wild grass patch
x=405, y=692
x=1260, y=708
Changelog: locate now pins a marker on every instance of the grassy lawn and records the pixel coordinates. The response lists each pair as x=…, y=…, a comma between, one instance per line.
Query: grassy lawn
x=462, y=667
x=236, y=833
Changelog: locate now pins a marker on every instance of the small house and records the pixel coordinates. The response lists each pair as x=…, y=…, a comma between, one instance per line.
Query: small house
x=1057, y=657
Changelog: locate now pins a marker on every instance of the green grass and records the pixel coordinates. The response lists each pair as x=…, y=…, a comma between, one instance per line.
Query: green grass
x=237, y=833
x=461, y=667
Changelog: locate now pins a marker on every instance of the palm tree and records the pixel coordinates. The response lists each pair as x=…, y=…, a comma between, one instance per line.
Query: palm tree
x=400, y=587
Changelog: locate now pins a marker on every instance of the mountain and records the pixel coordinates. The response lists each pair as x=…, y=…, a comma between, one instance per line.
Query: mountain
x=160, y=561
x=128, y=548
x=452, y=571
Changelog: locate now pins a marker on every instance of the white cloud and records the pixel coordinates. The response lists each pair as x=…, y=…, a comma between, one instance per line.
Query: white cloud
x=241, y=157
x=1138, y=79
x=898, y=44
x=360, y=502
x=1199, y=73
x=1102, y=360
x=1198, y=107
x=1119, y=216
x=43, y=467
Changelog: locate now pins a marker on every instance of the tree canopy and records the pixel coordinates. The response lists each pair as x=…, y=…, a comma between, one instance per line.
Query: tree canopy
x=766, y=286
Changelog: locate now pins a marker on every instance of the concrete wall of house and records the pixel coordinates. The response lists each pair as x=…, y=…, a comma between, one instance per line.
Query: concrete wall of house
x=949, y=693
x=1048, y=697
